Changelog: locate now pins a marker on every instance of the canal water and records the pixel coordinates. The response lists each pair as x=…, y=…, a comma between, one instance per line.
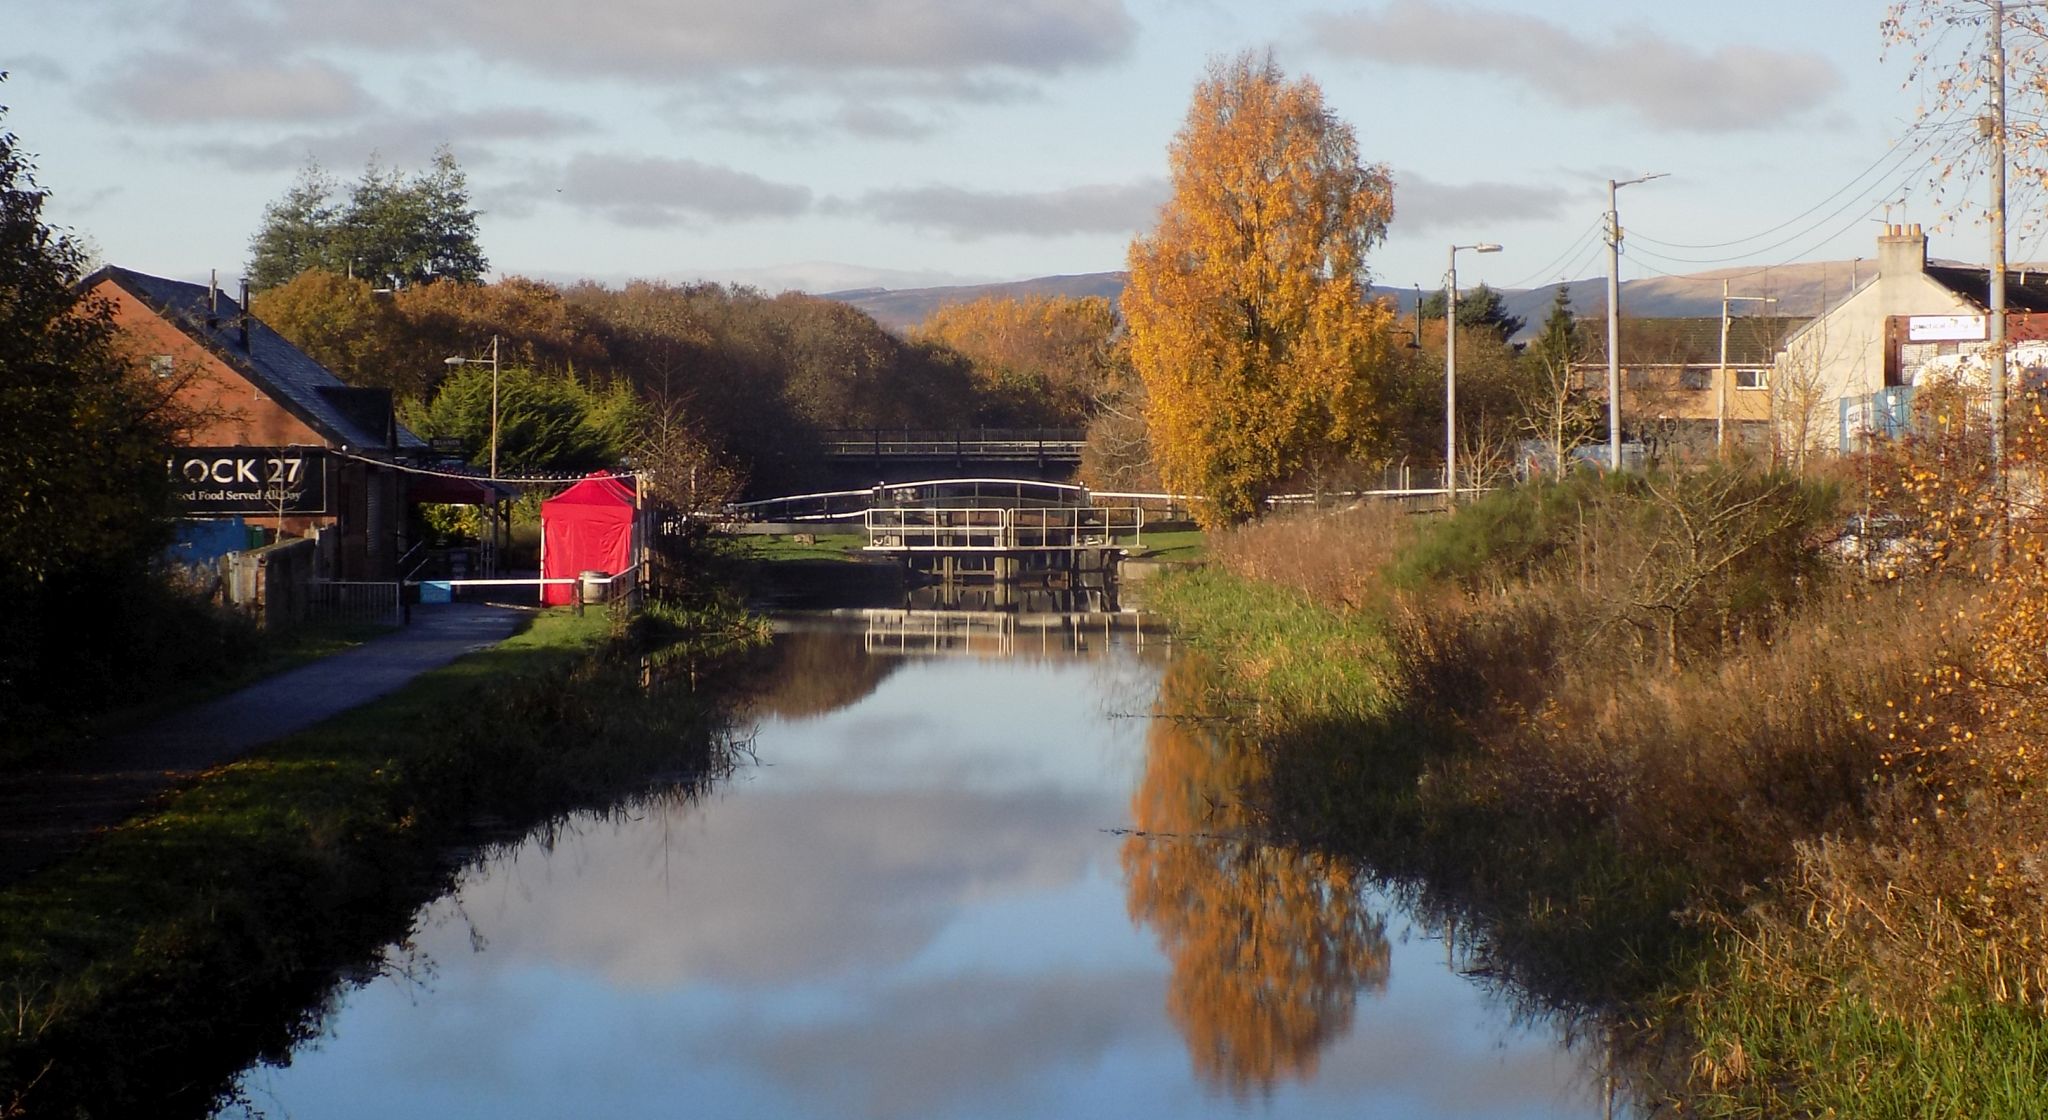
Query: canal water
x=970, y=864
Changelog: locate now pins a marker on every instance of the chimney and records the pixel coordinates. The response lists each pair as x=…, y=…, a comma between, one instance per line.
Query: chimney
x=212, y=297
x=243, y=318
x=1901, y=251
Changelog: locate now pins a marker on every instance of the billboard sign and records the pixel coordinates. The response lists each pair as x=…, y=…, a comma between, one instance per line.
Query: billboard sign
x=1945, y=328
x=230, y=480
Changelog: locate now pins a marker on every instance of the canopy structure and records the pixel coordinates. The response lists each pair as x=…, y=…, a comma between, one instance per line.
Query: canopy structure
x=591, y=526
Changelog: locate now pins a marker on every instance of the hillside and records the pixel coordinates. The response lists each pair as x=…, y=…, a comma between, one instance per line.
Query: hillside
x=1800, y=289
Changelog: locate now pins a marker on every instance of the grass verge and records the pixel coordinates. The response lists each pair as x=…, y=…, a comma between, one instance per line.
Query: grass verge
x=142, y=975
x=775, y=548
x=1173, y=545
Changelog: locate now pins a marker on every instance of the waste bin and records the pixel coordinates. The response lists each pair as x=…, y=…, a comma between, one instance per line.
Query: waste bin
x=596, y=585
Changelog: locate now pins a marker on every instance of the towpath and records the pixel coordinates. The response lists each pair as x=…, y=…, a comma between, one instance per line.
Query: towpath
x=48, y=812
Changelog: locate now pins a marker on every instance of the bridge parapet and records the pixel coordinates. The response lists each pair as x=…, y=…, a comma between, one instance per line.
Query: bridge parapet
x=957, y=444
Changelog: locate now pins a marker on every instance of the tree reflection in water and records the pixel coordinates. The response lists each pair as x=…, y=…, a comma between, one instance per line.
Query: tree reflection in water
x=1269, y=946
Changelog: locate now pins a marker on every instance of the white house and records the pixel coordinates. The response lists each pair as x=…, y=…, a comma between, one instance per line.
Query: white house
x=1850, y=371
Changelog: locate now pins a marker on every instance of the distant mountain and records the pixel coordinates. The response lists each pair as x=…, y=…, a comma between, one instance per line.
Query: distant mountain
x=1800, y=289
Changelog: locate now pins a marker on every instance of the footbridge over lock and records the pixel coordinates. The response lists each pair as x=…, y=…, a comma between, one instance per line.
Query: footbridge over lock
x=999, y=528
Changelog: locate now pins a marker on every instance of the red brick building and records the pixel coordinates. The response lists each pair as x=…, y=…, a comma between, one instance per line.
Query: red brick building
x=281, y=440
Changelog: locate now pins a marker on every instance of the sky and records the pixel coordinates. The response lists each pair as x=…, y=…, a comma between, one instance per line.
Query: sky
x=832, y=144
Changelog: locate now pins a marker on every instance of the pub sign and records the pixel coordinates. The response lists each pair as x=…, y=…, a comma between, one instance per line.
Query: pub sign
x=227, y=480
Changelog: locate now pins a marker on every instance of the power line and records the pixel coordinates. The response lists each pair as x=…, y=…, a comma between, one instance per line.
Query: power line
x=465, y=476
x=1774, y=246
x=1584, y=262
x=1574, y=247
x=1854, y=220
x=1897, y=155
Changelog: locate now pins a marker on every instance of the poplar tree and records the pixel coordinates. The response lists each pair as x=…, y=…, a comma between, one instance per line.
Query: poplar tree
x=1248, y=308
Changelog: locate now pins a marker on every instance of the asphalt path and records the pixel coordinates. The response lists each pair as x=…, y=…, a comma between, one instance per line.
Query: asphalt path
x=51, y=811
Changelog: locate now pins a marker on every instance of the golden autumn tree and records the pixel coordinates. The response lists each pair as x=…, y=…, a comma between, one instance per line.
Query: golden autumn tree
x=1269, y=946
x=1247, y=305
x=1045, y=358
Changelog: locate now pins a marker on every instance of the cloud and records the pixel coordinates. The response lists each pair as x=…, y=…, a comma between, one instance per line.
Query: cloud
x=1668, y=83
x=39, y=66
x=400, y=140
x=180, y=88
x=860, y=882
x=868, y=105
x=657, y=191
x=862, y=118
x=879, y=122
x=1423, y=204
x=679, y=40
x=952, y=1045
x=967, y=215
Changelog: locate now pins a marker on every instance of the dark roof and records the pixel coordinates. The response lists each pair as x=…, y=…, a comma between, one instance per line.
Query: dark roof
x=1753, y=340
x=354, y=417
x=2024, y=290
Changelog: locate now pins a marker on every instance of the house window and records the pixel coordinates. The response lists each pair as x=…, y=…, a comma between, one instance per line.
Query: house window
x=1752, y=379
x=1693, y=377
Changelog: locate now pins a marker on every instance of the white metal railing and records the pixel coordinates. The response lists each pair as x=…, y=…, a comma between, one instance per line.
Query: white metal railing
x=355, y=601
x=934, y=528
x=622, y=587
x=1002, y=529
x=852, y=505
x=902, y=632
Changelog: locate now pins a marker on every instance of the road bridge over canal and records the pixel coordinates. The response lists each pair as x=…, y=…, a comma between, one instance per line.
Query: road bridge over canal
x=897, y=455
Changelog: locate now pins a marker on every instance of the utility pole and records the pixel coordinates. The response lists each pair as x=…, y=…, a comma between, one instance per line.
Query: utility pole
x=1721, y=381
x=1451, y=384
x=1451, y=371
x=1614, y=317
x=1995, y=126
x=494, y=408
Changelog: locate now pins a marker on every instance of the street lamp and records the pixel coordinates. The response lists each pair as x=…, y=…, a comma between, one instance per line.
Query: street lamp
x=1451, y=372
x=493, y=360
x=1614, y=317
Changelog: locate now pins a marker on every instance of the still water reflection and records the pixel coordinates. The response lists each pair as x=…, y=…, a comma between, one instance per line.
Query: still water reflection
x=961, y=878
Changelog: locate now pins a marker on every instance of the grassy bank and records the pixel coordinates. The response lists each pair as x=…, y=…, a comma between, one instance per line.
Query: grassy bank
x=1686, y=807
x=777, y=548
x=142, y=975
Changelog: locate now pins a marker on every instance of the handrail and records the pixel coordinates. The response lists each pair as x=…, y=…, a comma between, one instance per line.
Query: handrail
x=1066, y=487
x=996, y=528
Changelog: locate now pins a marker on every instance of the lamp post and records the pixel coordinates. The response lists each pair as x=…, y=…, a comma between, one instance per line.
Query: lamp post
x=493, y=360
x=1451, y=372
x=1721, y=380
x=1614, y=317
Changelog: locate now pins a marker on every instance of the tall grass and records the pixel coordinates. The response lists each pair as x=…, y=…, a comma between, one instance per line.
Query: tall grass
x=1641, y=757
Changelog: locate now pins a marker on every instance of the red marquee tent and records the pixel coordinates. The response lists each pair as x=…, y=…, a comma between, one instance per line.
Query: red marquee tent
x=588, y=527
